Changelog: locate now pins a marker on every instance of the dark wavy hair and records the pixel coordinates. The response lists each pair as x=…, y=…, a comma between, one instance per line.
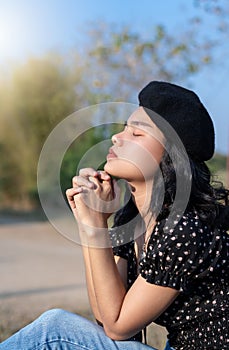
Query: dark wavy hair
x=210, y=199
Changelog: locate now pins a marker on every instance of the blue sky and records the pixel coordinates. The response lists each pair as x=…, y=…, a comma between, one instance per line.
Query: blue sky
x=31, y=27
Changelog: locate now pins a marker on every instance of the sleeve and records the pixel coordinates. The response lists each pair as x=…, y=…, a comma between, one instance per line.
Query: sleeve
x=121, y=246
x=180, y=258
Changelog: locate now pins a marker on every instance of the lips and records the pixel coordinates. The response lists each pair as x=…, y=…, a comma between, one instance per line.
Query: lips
x=111, y=154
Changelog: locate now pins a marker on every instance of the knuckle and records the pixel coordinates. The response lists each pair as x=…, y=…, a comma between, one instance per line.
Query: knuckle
x=81, y=171
x=74, y=179
x=79, y=195
x=86, y=171
x=68, y=192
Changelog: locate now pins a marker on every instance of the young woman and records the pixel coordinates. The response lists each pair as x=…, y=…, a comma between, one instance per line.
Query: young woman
x=165, y=259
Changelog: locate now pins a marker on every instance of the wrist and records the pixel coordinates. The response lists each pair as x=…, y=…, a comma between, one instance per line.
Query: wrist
x=94, y=236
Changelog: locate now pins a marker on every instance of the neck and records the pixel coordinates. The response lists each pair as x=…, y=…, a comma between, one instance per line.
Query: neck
x=142, y=193
x=139, y=196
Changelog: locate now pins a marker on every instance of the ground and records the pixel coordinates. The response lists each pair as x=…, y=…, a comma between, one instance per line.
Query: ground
x=40, y=270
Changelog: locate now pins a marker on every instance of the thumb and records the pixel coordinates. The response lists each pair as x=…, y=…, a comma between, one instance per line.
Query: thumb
x=116, y=190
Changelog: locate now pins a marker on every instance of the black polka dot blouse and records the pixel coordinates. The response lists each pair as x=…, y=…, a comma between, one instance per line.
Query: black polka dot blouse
x=193, y=259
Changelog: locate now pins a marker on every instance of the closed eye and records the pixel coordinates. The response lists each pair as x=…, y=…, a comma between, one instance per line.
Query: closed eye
x=135, y=131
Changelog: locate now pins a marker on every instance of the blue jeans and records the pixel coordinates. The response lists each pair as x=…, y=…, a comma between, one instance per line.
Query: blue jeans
x=61, y=330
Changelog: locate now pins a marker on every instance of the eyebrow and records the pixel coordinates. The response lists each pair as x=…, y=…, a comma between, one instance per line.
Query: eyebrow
x=137, y=123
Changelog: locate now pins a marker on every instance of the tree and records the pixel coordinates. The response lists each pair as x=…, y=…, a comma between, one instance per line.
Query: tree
x=42, y=93
x=121, y=60
x=115, y=63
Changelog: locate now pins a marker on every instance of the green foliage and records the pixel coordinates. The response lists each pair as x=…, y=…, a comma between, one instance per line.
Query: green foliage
x=217, y=163
x=42, y=94
x=77, y=157
x=114, y=65
x=217, y=166
x=124, y=60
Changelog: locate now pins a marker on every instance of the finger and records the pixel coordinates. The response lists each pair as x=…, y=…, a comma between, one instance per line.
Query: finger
x=116, y=189
x=94, y=181
x=117, y=196
x=71, y=193
x=103, y=175
x=82, y=181
x=103, y=186
x=86, y=172
x=107, y=180
x=100, y=182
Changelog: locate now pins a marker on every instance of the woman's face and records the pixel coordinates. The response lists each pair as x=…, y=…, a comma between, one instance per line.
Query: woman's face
x=137, y=150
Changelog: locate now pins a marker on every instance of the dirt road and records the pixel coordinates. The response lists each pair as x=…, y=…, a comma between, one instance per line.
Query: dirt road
x=39, y=270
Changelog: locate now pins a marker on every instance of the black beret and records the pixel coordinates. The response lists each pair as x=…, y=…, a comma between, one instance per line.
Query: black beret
x=183, y=110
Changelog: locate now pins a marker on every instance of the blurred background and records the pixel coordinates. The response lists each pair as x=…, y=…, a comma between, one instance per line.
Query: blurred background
x=57, y=57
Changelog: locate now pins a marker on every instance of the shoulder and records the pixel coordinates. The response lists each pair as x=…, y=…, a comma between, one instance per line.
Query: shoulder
x=178, y=254
x=187, y=229
x=189, y=242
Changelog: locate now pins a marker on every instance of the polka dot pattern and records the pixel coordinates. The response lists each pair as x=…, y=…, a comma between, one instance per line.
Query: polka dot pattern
x=193, y=259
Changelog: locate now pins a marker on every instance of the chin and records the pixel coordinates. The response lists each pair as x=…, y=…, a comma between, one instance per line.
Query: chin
x=121, y=171
x=110, y=169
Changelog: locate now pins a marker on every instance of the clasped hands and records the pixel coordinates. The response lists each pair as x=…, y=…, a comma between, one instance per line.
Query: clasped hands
x=94, y=196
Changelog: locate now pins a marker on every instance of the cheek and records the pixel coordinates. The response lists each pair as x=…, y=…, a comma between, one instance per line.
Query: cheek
x=147, y=162
x=146, y=155
x=136, y=160
x=156, y=151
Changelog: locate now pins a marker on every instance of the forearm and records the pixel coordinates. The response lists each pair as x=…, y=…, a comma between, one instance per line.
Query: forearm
x=108, y=286
x=101, y=269
x=88, y=239
x=92, y=201
x=121, y=265
x=119, y=311
x=90, y=287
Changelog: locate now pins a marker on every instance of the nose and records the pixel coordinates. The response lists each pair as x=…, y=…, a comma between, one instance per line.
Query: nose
x=116, y=139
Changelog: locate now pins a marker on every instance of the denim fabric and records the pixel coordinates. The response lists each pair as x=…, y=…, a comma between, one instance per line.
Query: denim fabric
x=168, y=347
x=60, y=330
